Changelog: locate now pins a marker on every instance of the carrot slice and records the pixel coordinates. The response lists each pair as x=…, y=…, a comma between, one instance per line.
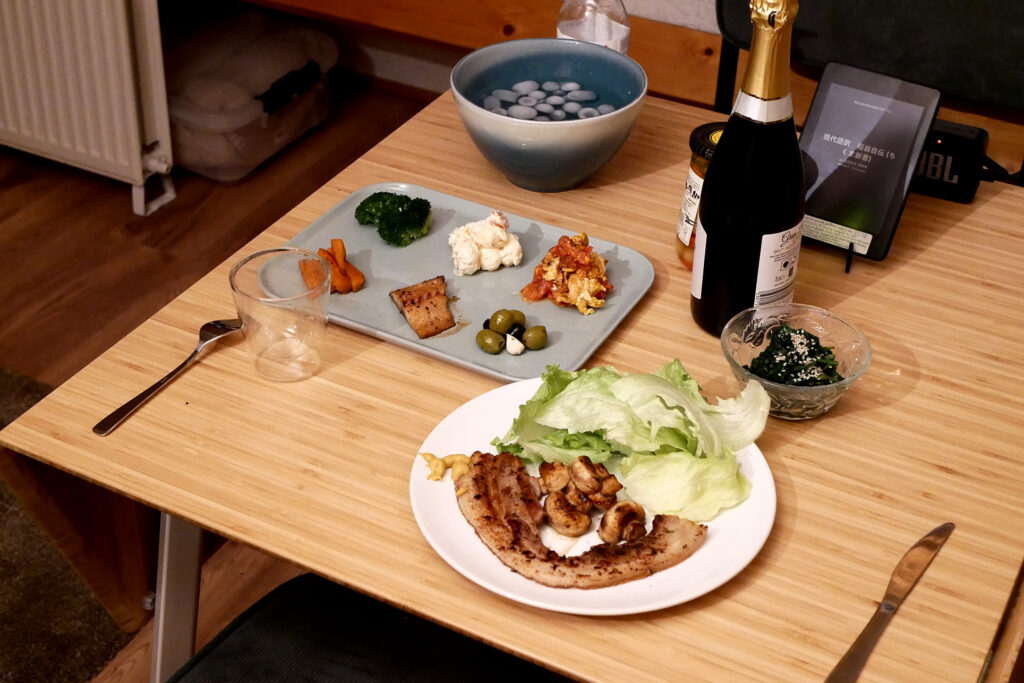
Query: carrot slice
x=355, y=276
x=339, y=280
x=340, y=256
x=338, y=249
x=312, y=273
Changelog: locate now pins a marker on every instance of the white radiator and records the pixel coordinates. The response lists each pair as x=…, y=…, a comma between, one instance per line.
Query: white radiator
x=82, y=82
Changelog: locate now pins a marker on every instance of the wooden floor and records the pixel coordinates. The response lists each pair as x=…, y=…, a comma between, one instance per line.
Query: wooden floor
x=80, y=270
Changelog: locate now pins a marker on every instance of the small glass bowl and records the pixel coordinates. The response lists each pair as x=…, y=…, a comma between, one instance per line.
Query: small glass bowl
x=747, y=334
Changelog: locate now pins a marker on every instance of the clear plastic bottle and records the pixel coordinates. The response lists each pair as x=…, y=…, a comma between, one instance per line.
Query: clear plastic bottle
x=604, y=22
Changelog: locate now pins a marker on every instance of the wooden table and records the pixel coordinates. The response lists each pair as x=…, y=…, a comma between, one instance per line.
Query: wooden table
x=317, y=472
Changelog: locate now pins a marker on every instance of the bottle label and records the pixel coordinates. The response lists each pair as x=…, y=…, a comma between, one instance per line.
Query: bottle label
x=688, y=214
x=764, y=111
x=700, y=244
x=776, y=269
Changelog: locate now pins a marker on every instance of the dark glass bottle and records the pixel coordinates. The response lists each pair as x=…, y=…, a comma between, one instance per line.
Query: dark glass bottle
x=752, y=203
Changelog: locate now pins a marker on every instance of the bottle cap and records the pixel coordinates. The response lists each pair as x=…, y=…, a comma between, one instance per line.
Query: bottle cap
x=704, y=138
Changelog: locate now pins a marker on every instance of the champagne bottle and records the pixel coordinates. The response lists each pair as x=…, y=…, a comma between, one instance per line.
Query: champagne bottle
x=752, y=203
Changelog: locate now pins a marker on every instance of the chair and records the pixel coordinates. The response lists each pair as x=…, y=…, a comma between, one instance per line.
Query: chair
x=969, y=50
x=310, y=629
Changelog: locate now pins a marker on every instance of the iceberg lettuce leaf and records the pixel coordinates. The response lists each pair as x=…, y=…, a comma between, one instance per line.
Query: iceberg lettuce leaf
x=562, y=446
x=525, y=427
x=680, y=484
x=674, y=451
x=740, y=420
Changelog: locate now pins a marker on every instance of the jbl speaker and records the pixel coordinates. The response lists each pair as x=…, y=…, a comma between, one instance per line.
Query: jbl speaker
x=952, y=161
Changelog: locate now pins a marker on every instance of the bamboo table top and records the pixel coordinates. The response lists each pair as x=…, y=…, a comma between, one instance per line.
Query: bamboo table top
x=317, y=472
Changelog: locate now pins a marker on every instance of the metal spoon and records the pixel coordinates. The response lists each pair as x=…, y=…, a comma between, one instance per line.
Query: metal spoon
x=210, y=332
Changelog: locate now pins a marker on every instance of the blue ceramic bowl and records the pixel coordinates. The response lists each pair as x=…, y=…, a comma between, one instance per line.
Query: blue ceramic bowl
x=548, y=156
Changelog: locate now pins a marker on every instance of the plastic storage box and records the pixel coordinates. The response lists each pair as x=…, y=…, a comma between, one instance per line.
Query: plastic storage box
x=242, y=88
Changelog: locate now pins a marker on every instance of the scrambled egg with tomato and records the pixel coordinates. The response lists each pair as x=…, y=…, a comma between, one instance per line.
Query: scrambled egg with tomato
x=570, y=274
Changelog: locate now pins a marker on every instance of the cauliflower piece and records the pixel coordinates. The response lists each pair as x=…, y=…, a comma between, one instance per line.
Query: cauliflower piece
x=484, y=245
x=465, y=253
x=490, y=258
x=492, y=232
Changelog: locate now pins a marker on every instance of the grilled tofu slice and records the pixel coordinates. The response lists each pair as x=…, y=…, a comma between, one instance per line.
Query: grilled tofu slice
x=425, y=306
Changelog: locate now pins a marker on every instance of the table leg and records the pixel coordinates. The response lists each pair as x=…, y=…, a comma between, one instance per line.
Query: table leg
x=177, y=596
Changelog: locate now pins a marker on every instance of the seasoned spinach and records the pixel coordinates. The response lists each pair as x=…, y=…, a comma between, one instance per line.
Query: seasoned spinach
x=796, y=357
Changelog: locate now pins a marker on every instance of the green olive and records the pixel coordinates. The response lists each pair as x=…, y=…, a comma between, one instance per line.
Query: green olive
x=490, y=341
x=535, y=337
x=518, y=317
x=501, y=320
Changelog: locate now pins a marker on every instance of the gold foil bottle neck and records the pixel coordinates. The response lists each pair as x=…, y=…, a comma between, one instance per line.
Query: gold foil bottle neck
x=767, y=75
x=773, y=14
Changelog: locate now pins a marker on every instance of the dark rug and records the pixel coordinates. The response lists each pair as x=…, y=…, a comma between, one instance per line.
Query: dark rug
x=51, y=626
x=310, y=629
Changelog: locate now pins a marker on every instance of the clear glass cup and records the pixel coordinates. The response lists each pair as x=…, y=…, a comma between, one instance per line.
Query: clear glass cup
x=282, y=309
x=747, y=334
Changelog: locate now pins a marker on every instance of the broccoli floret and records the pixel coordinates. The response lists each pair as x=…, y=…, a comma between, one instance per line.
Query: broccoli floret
x=402, y=222
x=400, y=219
x=369, y=209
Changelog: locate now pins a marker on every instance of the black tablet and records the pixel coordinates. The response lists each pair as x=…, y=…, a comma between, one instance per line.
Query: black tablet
x=861, y=142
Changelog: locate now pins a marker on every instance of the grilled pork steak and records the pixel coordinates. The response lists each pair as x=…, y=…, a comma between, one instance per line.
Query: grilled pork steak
x=501, y=504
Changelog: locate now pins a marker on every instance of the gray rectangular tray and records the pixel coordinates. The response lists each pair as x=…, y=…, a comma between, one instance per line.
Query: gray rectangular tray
x=572, y=337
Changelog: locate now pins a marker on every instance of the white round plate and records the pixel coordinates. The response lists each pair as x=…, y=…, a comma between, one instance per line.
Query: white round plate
x=734, y=538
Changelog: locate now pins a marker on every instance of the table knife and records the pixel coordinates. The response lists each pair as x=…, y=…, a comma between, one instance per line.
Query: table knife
x=904, y=578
